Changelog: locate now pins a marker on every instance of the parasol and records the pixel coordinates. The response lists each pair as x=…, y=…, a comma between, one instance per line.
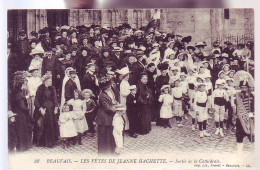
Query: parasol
x=243, y=76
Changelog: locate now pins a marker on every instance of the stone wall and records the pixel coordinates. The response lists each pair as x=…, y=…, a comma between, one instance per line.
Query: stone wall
x=202, y=24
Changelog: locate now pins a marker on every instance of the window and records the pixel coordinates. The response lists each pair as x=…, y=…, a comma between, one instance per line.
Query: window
x=226, y=13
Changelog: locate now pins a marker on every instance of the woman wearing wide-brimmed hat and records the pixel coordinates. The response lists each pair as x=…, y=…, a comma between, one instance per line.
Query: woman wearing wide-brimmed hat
x=106, y=111
x=19, y=107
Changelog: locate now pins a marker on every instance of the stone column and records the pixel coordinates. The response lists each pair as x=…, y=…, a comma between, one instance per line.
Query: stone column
x=163, y=20
x=130, y=16
x=31, y=25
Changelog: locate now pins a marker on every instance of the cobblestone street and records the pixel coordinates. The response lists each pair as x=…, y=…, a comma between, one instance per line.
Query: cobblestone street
x=160, y=140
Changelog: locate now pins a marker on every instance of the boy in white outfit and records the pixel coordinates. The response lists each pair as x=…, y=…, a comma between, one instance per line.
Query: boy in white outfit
x=200, y=106
x=219, y=99
x=118, y=127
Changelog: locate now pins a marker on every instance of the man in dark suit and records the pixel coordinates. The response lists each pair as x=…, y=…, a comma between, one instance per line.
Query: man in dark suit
x=132, y=112
x=82, y=61
x=139, y=66
x=89, y=80
x=70, y=86
x=22, y=49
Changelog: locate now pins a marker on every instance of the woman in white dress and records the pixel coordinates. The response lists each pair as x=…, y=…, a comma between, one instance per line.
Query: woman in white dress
x=79, y=110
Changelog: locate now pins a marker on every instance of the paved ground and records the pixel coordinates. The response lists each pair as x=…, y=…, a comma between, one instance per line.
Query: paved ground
x=160, y=140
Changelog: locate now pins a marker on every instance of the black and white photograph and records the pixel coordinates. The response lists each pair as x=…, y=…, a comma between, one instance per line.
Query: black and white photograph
x=144, y=85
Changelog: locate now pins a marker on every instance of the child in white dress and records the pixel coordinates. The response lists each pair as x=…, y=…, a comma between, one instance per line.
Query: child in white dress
x=67, y=127
x=166, y=109
x=79, y=110
x=118, y=127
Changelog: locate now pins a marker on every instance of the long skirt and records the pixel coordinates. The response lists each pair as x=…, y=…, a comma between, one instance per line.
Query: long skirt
x=23, y=132
x=50, y=129
x=145, y=119
x=106, y=141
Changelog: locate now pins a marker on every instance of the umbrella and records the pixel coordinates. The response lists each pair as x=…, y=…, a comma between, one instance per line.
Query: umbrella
x=243, y=76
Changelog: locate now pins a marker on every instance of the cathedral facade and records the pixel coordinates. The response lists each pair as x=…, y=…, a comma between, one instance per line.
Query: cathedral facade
x=202, y=24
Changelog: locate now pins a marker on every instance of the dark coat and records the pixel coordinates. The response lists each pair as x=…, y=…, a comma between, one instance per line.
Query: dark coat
x=137, y=69
x=106, y=110
x=160, y=81
x=70, y=87
x=80, y=64
x=23, y=122
x=46, y=129
x=22, y=49
x=49, y=65
x=46, y=44
x=88, y=82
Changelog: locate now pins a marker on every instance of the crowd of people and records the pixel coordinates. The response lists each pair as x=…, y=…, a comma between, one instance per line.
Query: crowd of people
x=65, y=81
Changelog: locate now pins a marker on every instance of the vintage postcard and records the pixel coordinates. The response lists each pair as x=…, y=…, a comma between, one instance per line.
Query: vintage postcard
x=131, y=88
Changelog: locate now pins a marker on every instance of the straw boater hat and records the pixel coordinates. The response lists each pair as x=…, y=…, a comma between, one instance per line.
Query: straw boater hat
x=201, y=84
x=88, y=91
x=220, y=72
x=200, y=44
x=89, y=65
x=224, y=55
x=36, y=51
x=200, y=77
x=220, y=82
x=183, y=74
x=191, y=47
x=225, y=65
x=132, y=87
x=164, y=87
x=104, y=83
x=32, y=68
x=169, y=43
x=156, y=45
x=207, y=75
x=11, y=114
x=123, y=71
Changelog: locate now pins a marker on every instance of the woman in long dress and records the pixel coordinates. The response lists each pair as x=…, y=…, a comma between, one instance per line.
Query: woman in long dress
x=144, y=101
x=106, y=112
x=23, y=120
x=46, y=119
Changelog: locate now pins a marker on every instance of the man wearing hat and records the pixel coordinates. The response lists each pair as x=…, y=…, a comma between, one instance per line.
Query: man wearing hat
x=22, y=49
x=139, y=66
x=46, y=41
x=82, y=60
x=71, y=86
x=89, y=79
x=116, y=55
x=132, y=111
x=228, y=48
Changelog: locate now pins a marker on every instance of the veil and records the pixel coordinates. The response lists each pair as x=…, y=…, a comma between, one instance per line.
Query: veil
x=66, y=78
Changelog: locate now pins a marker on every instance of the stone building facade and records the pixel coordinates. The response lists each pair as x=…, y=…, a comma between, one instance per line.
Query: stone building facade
x=202, y=24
